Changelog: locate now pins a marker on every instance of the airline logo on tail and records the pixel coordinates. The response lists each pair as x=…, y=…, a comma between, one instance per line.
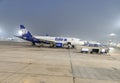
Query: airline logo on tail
x=23, y=30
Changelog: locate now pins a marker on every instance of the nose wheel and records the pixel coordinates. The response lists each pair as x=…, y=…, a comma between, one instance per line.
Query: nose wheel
x=69, y=45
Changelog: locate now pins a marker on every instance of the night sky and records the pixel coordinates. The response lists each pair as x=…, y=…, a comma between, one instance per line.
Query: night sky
x=84, y=19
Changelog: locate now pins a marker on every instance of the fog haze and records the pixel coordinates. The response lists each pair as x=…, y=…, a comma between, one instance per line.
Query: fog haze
x=85, y=19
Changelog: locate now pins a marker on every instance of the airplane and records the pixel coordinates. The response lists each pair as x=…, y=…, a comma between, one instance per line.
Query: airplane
x=52, y=41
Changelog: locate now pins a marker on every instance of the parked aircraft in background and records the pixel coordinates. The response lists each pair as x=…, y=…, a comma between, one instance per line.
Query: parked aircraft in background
x=52, y=41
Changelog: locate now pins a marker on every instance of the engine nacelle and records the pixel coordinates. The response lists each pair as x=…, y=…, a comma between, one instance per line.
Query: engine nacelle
x=60, y=45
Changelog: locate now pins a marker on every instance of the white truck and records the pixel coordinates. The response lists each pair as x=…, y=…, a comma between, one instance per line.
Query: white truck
x=94, y=48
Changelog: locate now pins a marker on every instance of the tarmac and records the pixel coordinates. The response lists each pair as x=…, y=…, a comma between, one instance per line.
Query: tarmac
x=22, y=63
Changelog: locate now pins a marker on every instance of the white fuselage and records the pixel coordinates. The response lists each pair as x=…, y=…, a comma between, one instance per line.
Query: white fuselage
x=63, y=40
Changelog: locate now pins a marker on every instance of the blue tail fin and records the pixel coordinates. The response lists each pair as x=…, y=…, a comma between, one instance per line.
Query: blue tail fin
x=22, y=27
x=25, y=32
x=26, y=35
